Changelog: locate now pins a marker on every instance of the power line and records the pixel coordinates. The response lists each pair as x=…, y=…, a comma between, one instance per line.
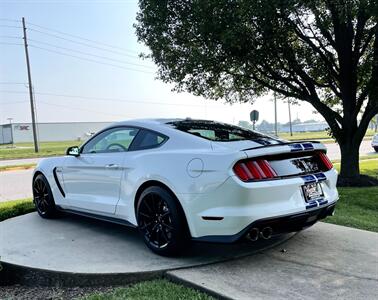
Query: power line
x=80, y=109
x=10, y=37
x=14, y=44
x=82, y=43
x=10, y=20
x=91, y=60
x=82, y=38
x=13, y=102
x=9, y=82
x=90, y=54
x=100, y=99
x=10, y=26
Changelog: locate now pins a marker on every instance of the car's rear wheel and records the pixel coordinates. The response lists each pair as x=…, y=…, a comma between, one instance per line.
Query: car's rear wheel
x=161, y=221
x=43, y=197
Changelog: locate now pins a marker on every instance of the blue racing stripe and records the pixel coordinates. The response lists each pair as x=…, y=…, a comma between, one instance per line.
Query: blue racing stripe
x=316, y=203
x=308, y=146
x=309, y=178
x=296, y=147
x=320, y=176
x=311, y=204
x=322, y=202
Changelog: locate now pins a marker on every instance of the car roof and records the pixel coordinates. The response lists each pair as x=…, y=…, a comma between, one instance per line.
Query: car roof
x=156, y=121
x=160, y=125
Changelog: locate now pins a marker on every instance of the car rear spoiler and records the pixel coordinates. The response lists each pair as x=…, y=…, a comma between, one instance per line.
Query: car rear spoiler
x=292, y=148
x=307, y=143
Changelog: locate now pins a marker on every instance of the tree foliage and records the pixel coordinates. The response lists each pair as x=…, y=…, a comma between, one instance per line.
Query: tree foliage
x=324, y=52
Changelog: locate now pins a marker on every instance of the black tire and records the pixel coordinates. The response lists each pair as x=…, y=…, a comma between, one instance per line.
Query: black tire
x=43, y=198
x=162, y=222
x=376, y=149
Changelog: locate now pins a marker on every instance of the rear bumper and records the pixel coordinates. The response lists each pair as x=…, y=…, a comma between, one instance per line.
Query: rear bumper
x=279, y=225
x=234, y=205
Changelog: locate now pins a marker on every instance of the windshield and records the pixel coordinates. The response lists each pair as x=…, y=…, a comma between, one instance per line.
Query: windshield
x=221, y=132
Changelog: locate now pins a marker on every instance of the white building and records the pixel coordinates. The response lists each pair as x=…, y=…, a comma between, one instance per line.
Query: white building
x=49, y=132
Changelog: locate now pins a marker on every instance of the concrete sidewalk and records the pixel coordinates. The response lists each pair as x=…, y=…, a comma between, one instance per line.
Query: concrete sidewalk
x=76, y=250
x=323, y=262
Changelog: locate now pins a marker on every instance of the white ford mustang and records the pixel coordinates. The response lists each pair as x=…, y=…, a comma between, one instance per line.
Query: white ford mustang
x=182, y=179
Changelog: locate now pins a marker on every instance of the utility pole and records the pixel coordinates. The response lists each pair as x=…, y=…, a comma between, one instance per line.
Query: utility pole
x=275, y=114
x=291, y=128
x=36, y=149
x=11, y=128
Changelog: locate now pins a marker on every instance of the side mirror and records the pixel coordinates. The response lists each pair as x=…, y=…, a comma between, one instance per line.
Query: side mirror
x=73, y=151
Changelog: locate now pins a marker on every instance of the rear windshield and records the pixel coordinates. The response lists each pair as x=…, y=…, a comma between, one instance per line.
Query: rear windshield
x=221, y=132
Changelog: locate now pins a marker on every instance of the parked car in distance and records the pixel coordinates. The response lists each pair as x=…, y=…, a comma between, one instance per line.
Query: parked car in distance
x=374, y=142
x=179, y=180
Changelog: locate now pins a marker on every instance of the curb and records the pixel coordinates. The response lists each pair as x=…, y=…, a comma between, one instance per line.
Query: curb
x=16, y=274
x=175, y=279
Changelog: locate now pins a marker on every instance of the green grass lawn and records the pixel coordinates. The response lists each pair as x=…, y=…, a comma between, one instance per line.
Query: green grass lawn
x=26, y=150
x=15, y=208
x=358, y=208
x=156, y=289
x=367, y=167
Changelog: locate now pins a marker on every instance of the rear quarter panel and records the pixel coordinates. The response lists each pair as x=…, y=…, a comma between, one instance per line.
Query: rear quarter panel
x=183, y=171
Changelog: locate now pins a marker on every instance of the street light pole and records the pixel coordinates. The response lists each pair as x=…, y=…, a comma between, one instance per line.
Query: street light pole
x=36, y=148
x=275, y=114
x=291, y=128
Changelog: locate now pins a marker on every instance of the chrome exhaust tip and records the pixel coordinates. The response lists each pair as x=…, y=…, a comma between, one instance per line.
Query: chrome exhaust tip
x=253, y=234
x=266, y=233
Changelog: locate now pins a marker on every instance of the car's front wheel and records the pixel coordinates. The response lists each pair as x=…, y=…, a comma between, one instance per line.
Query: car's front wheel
x=43, y=197
x=161, y=221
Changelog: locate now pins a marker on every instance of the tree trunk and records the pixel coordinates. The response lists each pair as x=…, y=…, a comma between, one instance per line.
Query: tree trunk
x=349, y=169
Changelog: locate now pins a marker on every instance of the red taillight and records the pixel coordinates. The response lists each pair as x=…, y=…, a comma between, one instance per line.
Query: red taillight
x=254, y=170
x=325, y=160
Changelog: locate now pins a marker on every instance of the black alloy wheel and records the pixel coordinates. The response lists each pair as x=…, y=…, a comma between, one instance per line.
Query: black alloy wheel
x=43, y=198
x=161, y=222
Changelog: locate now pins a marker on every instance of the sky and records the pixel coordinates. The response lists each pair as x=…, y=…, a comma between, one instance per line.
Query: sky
x=98, y=76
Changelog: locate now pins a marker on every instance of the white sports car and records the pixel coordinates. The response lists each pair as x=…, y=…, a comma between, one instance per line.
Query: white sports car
x=182, y=179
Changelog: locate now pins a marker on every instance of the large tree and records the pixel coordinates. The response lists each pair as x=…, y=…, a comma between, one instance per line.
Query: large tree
x=324, y=52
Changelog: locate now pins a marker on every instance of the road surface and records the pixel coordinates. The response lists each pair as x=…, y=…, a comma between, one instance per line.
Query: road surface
x=17, y=184
x=333, y=150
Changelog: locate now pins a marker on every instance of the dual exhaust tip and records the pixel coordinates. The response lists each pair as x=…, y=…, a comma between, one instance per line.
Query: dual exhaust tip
x=265, y=233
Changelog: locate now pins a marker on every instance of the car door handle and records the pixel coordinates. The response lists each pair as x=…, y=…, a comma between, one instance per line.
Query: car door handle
x=111, y=166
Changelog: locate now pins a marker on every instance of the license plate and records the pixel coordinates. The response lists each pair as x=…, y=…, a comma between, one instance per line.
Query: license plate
x=312, y=191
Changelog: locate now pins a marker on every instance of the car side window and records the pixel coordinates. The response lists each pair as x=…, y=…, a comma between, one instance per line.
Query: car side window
x=112, y=140
x=148, y=139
